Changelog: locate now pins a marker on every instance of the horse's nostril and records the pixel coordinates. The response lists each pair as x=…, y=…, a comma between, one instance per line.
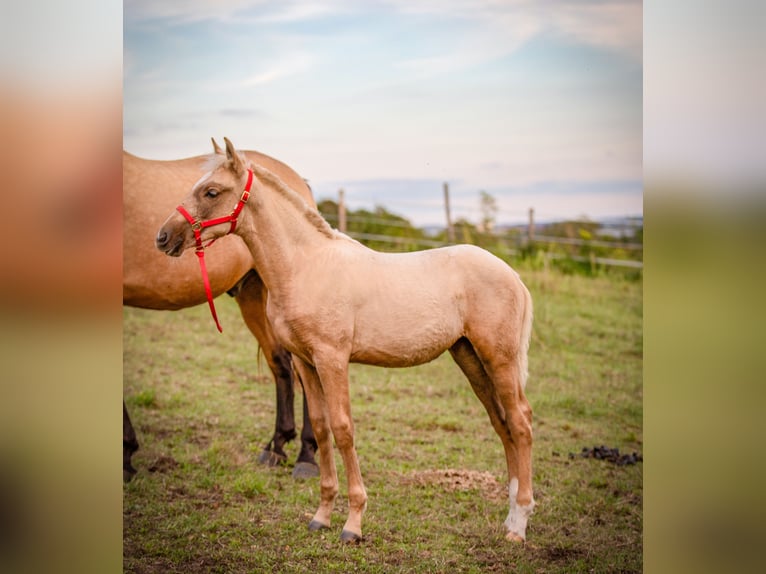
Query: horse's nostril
x=162, y=238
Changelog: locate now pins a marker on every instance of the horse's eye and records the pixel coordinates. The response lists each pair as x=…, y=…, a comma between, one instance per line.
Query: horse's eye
x=211, y=192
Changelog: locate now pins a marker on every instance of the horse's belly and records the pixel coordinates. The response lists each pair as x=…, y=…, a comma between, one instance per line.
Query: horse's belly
x=396, y=358
x=404, y=343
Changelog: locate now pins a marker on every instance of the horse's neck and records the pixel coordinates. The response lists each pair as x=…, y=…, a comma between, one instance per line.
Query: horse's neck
x=279, y=237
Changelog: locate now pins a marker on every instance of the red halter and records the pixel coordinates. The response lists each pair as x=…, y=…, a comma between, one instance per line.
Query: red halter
x=198, y=226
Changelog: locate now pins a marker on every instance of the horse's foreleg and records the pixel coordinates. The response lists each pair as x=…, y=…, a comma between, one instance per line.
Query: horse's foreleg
x=318, y=411
x=251, y=295
x=129, y=445
x=333, y=374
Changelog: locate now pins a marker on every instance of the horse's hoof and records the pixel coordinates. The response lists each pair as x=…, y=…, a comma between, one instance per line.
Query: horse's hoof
x=315, y=525
x=513, y=537
x=350, y=537
x=305, y=470
x=128, y=474
x=271, y=458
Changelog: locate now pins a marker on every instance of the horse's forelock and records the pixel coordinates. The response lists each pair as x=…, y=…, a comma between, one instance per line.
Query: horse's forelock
x=213, y=162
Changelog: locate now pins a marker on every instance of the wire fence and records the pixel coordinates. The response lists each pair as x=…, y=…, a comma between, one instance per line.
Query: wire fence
x=511, y=242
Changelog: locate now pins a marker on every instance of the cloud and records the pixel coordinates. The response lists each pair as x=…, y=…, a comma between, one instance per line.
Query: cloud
x=292, y=63
x=615, y=26
x=185, y=12
x=241, y=113
x=497, y=28
x=226, y=10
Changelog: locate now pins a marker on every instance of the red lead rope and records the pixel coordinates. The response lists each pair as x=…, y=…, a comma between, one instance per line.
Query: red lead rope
x=198, y=226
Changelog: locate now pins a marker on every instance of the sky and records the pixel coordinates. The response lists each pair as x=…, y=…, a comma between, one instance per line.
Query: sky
x=537, y=102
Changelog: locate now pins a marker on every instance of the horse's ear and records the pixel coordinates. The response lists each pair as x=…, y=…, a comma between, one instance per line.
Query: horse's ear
x=216, y=148
x=236, y=160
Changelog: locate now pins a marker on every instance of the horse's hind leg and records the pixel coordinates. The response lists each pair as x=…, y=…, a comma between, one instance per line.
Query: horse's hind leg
x=250, y=295
x=129, y=445
x=511, y=395
x=305, y=466
x=465, y=356
x=511, y=417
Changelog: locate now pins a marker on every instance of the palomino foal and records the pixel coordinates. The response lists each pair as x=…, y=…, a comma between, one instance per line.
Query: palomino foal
x=333, y=301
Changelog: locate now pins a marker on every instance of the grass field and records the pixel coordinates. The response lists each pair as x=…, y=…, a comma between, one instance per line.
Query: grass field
x=433, y=467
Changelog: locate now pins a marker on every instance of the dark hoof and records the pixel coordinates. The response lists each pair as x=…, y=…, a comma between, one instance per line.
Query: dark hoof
x=350, y=537
x=315, y=525
x=128, y=474
x=270, y=458
x=305, y=470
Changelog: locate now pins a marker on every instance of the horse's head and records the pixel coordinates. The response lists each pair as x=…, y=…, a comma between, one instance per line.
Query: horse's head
x=206, y=212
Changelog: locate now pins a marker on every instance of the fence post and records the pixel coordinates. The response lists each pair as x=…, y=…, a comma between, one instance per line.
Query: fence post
x=450, y=228
x=341, y=210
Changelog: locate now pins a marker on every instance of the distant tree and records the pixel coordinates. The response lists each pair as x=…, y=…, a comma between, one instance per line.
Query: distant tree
x=488, y=206
x=379, y=221
x=329, y=210
x=465, y=231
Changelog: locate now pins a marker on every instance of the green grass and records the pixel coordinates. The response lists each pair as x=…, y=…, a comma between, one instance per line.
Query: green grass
x=433, y=467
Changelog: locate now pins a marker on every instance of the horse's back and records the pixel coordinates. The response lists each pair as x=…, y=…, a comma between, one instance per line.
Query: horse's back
x=464, y=268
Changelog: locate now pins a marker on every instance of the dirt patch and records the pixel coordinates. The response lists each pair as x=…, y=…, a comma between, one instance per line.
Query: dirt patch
x=453, y=480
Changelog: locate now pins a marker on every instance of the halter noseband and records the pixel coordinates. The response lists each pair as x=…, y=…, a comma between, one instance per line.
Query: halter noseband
x=197, y=227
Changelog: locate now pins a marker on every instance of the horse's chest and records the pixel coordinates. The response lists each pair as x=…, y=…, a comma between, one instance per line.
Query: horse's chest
x=280, y=325
x=299, y=332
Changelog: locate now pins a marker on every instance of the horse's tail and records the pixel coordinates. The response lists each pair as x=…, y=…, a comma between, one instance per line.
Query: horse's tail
x=526, y=335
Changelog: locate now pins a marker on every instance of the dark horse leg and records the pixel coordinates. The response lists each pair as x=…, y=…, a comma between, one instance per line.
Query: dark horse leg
x=129, y=445
x=251, y=295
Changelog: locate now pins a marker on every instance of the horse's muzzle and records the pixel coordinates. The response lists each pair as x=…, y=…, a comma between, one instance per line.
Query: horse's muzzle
x=164, y=244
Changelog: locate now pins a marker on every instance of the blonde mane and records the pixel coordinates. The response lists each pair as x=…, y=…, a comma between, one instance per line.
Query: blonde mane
x=312, y=215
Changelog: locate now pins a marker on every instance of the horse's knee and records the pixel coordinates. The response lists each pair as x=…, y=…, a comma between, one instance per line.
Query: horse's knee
x=343, y=431
x=321, y=429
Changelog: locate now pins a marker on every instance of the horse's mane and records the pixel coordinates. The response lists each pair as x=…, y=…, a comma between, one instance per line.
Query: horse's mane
x=312, y=215
x=214, y=161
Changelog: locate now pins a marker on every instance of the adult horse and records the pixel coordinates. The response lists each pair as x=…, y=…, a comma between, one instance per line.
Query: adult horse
x=152, y=281
x=333, y=301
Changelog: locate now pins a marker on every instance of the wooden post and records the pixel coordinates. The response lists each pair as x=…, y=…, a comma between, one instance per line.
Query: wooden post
x=450, y=228
x=531, y=227
x=341, y=211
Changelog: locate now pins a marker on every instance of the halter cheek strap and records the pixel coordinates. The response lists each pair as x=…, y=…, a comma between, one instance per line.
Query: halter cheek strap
x=197, y=227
